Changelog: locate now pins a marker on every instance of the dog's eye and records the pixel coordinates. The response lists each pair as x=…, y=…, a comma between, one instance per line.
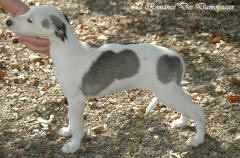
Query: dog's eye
x=29, y=20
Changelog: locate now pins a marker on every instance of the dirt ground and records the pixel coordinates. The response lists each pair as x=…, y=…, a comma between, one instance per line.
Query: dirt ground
x=33, y=107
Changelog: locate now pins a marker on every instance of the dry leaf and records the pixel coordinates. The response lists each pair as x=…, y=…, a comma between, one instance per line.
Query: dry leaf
x=140, y=134
x=132, y=1
x=2, y=74
x=216, y=39
x=148, y=13
x=234, y=80
x=233, y=98
x=194, y=27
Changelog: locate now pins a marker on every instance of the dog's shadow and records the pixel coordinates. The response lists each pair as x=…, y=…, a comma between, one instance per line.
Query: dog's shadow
x=133, y=140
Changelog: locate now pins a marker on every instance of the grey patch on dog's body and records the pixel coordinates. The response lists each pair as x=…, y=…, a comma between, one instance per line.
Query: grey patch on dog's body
x=45, y=23
x=65, y=16
x=108, y=67
x=94, y=45
x=128, y=43
x=169, y=68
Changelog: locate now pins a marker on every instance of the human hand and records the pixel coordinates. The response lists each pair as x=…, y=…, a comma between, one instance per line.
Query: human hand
x=17, y=7
x=35, y=44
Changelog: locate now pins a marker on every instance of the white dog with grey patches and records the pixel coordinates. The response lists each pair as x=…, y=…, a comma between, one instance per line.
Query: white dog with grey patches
x=87, y=70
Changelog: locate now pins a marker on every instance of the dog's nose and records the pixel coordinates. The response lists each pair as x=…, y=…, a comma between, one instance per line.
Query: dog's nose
x=9, y=22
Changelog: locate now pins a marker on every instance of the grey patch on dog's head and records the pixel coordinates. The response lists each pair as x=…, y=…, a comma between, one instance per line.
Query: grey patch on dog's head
x=169, y=68
x=108, y=67
x=45, y=23
x=94, y=45
x=60, y=27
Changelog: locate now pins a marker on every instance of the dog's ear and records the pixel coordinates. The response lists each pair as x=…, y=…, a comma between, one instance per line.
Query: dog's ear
x=60, y=27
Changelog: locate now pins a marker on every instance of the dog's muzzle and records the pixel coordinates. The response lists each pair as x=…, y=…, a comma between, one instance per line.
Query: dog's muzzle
x=9, y=22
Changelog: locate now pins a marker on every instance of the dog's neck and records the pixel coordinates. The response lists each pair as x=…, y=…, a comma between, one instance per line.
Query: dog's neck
x=71, y=46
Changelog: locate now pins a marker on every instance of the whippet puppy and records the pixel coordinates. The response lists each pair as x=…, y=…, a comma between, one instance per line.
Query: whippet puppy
x=85, y=70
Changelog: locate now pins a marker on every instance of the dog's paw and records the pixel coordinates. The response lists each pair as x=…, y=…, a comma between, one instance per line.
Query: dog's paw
x=65, y=131
x=178, y=123
x=194, y=141
x=70, y=147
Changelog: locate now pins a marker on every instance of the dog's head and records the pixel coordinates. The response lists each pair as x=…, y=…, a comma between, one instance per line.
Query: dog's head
x=42, y=21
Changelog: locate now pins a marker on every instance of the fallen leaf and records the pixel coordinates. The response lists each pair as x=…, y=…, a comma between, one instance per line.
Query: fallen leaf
x=233, y=98
x=132, y=1
x=140, y=134
x=216, y=39
x=194, y=27
x=26, y=67
x=234, y=80
x=2, y=74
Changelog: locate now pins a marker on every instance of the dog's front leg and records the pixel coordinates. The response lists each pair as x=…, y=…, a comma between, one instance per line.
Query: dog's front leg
x=76, y=109
x=66, y=131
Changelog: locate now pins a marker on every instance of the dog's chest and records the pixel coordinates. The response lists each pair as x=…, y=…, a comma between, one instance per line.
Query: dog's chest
x=69, y=69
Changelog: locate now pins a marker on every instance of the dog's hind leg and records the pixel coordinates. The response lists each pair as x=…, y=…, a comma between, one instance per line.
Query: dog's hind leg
x=183, y=120
x=174, y=97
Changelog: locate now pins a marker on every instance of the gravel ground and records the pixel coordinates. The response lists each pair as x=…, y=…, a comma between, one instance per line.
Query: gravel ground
x=33, y=107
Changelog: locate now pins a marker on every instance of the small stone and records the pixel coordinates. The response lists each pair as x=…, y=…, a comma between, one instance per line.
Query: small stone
x=157, y=107
x=142, y=109
x=26, y=67
x=15, y=66
x=35, y=82
x=151, y=129
x=2, y=64
x=102, y=37
x=52, y=118
x=237, y=136
x=93, y=106
x=41, y=120
x=156, y=137
x=105, y=111
x=16, y=80
x=15, y=71
x=219, y=89
x=14, y=40
x=97, y=129
x=139, y=115
x=30, y=2
x=178, y=36
x=234, y=80
x=35, y=58
x=64, y=100
x=205, y=35
x=98, y=156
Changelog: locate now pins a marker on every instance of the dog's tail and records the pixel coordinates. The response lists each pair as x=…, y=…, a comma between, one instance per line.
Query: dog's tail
x=152, y=104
